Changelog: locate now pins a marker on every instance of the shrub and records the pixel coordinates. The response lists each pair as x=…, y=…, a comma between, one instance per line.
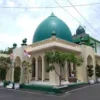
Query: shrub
x=90, y=70
x=2, y=73
x=97, y=70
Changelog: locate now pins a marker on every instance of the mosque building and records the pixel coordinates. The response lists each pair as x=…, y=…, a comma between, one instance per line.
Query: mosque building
x=54, y=34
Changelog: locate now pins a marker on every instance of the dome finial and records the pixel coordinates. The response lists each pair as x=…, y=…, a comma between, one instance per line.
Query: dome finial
x=80, y=30
x=52, y=14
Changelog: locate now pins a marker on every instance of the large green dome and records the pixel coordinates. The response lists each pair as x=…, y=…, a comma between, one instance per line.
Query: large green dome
x=52, y=24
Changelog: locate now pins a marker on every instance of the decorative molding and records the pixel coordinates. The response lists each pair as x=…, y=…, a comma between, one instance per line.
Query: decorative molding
x=54, y=44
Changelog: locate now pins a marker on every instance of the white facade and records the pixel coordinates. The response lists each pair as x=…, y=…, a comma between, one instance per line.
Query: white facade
x=37, y=50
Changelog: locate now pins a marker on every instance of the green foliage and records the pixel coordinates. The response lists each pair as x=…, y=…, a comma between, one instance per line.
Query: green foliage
x=61, y=58
x=2, y=73
x=6, y=51
x=50, y=68
x=17, y=74
x=5, y=63
x=55, y=57
x=90, y=70
x=77, y=60
x=27, y=70
x=4, y=67
x=97, y=70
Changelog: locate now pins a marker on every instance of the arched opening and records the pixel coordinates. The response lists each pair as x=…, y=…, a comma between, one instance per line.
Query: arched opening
x=97, y=68
x=89, y=67
x=33, y=68
x=17, y=69
x=17, y=72
x=18, y=61
x=39, y=68
x=89, y=60
x=71, y=72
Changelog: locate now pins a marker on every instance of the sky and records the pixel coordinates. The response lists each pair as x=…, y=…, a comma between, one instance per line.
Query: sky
x=19, y=23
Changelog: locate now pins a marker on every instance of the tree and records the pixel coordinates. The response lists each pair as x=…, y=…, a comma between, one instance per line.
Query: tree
x=60, y=58
x=27, y=70
x=76, y=60
x=5, y=64
x=6, y=51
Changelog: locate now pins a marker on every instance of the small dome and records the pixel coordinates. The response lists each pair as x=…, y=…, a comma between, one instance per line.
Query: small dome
x=49, y=25
x=80, y=30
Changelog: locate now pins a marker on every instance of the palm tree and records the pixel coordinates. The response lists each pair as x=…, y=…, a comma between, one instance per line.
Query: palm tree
x=60, y=58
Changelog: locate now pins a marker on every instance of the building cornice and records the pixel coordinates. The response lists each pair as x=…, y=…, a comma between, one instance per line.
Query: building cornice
x=53, y=42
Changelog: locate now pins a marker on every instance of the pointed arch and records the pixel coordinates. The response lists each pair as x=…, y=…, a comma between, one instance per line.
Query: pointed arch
x=89, y=60
x=18, y=61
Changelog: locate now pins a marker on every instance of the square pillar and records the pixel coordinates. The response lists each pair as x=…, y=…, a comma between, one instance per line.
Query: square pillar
x=43, y=68
x=22, y=75
x=54, y=78
x=66, y=72
x=36, y=72
x=12, y=72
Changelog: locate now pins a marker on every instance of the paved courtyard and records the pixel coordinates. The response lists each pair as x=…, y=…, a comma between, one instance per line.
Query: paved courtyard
x=89, y=93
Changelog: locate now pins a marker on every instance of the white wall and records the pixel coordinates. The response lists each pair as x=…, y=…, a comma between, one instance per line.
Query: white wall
x=98, y=48
x=92, y=41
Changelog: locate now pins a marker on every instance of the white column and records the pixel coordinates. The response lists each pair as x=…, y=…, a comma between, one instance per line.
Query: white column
x=43, y=68
x=54, y=79
x=12, y=69
x=71, y=69
x=22, y=75
x=66, y=71
x=36, y=67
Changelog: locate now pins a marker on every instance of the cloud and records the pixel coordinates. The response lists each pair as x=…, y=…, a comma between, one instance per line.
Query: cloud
x=10, y=3
x=28, y=26
x=16, y=24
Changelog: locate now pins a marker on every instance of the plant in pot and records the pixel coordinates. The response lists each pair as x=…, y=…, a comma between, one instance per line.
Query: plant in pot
x=73, y=73
x=90, y=73
x=97, y=70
